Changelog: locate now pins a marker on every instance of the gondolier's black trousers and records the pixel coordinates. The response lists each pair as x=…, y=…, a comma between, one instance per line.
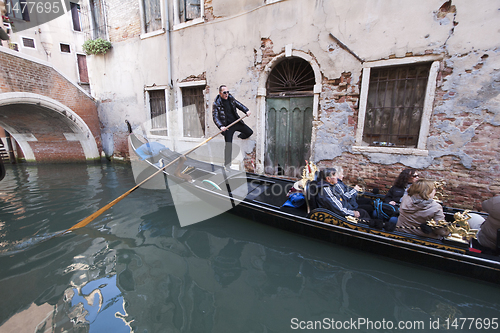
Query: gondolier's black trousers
x=245, y=132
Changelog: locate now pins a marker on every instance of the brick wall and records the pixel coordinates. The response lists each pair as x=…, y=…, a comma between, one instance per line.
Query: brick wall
x=123, y=19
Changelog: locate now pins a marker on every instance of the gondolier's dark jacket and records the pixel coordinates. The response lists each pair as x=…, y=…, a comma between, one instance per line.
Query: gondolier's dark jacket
x=329, y=198
x=219, y=114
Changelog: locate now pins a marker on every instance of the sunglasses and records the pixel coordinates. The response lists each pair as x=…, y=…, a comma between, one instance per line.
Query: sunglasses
x=415, y=176
x=225, y=92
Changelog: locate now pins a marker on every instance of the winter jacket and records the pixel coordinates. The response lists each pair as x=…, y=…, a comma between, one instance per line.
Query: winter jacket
x=487, y=235
x=219, y=114
x=414, y=211
x=329, y=198
x=395, y=194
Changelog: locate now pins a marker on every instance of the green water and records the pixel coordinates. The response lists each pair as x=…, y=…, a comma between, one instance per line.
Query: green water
x=134, y=269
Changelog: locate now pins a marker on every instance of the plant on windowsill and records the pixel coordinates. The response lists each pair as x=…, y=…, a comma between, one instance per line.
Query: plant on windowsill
x=96, y=46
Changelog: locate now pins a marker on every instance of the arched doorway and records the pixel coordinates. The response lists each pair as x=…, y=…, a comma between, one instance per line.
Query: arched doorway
x=289, y=116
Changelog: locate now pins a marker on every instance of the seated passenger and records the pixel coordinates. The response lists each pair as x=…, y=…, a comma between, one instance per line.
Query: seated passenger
x=330, y=198
x=400, y=187
x=295, y=196
x=487, y=234
x=418, y=207
x=350, y=195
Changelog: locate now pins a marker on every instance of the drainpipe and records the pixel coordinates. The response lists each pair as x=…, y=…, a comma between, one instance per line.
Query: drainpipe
x=169, y=51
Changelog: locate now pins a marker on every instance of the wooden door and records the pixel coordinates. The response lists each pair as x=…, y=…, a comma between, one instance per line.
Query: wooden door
x=288, y=135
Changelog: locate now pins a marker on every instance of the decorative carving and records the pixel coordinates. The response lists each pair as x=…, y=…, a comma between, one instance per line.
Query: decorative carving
x=460, y=229
x=308, y=173
x=440, y=195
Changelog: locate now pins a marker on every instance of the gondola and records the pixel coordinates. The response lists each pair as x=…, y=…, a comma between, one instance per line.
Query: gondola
x=259, y=198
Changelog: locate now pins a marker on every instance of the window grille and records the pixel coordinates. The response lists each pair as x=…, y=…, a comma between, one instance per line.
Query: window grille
x=158, y=109
x=291, y=77
x=93, y=19
x=395, y=105
x=193, y=111
x=29, y=42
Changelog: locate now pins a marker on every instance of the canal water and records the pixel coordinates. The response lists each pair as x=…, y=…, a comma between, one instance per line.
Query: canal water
x=134, y=269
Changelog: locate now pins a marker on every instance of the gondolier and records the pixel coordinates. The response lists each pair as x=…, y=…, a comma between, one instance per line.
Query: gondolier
x=224, y=113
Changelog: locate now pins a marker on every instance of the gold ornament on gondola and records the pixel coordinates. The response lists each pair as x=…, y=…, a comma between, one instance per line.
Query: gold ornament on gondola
x=460, y=229
x=440, y=195
x=308, y=173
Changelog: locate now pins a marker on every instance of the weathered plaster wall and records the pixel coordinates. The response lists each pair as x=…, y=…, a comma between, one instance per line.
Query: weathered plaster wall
x=118, y=79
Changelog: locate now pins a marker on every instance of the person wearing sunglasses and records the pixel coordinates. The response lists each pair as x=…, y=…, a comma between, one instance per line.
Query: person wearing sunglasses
x=401, y=185
x=224, y=113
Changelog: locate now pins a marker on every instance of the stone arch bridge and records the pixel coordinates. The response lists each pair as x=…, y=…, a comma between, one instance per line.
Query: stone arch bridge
x=51, y=118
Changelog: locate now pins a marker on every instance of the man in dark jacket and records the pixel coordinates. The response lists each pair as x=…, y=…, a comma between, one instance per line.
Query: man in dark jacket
x=224, y=113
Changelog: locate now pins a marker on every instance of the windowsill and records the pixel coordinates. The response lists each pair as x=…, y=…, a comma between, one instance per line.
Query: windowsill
x=191, y=139
x=152, y=33
x=188, y=23
x=387, y=150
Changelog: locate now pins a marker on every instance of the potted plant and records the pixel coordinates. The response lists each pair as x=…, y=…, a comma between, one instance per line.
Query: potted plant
x=96, y=46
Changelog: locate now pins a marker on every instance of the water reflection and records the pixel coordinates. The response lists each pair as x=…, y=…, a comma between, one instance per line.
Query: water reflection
x=135, y=269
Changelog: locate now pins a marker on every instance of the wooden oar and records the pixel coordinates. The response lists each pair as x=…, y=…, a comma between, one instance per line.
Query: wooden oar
x=92, y=217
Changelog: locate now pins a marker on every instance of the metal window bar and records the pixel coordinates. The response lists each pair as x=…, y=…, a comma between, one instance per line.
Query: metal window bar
x=93, y=19
x=395, y=105
x=193, y=103
x=158, y=109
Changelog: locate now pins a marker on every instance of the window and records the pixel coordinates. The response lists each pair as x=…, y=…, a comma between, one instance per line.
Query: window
x=28, y=42
x=396, y=104
x=152, y=15
x=98, y=19
x=193, y=111
x=18, y=9
x=188, y=12
x=82, y=68
x=158, y=112
x=76, y=16
x=65, y=48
